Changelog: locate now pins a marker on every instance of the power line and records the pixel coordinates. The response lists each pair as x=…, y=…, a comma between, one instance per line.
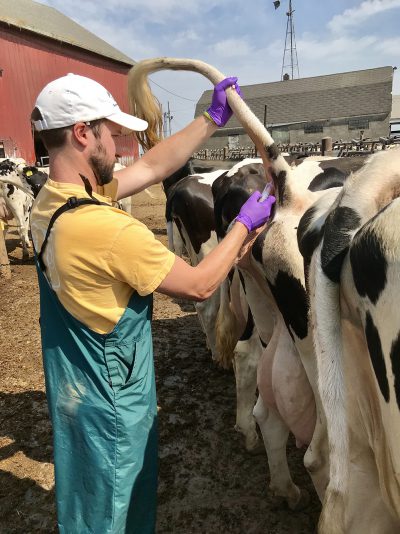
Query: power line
x=171, y=93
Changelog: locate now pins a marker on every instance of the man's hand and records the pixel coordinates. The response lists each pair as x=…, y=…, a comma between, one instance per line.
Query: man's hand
x=254, y=213
x=220, y=111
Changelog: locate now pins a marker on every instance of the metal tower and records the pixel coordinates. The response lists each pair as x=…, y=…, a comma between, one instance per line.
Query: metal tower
x=290, y=63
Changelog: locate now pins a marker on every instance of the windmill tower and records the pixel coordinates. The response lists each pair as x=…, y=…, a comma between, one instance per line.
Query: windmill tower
x=290, y=63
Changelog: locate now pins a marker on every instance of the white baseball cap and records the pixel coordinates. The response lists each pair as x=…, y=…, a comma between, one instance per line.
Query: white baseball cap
x=73, y=98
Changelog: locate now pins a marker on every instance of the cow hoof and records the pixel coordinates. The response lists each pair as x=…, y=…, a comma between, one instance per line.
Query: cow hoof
x=302, y=502
x=256, y=449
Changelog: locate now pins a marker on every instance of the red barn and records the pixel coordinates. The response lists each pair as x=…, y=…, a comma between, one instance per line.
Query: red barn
x=37, y=45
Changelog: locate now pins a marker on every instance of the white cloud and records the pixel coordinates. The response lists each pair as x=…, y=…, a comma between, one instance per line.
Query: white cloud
x=231, y=48
x=182, y=39
x=354, y=17
x=390, y=47
x=151, y=11
x=326, y=50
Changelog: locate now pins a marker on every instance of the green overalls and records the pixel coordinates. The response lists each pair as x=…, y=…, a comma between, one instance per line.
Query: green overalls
x=102, y=402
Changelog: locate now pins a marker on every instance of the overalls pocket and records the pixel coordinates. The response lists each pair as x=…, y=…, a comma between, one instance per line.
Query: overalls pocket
x=120, y=360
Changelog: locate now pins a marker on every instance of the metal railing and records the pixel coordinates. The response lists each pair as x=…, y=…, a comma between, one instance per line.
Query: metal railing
x=326, y=146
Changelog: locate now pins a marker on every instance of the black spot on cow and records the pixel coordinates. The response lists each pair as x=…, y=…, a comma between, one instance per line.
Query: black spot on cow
x=292, y=301
x=328, y=178
x=307, y=239
x=10, y=189
x=272, y=151
x=376, y=355
x=6, y=167
x=231, y=192
x=281, y=189
x=258, y=246
x=395, y=359
x=368, y=264
x=263, y=343
x=191, y=203
x=184, y=171
x=241, y=277
x=338, y=226
x=246, y=334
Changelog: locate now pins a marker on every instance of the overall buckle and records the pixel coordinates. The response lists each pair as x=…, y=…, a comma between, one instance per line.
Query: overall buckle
x=72, y=202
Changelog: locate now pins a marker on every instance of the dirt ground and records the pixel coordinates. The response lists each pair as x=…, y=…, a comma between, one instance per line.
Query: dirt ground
x=208, y=483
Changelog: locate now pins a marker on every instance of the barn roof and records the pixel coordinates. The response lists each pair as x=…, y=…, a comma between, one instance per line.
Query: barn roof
x=346, y=94
x=47, y=21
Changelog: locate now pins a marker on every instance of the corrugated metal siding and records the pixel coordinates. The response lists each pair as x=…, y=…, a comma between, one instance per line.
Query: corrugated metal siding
x=29, y=62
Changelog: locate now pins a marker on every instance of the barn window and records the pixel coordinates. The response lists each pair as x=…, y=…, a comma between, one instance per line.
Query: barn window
x=313, y=127
x=358, y=124
x=2, y=151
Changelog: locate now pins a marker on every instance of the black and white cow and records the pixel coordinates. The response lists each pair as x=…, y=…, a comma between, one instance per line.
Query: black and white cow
x=354, y=292
x=190, y=226
x=273, y=278
x=19, y=184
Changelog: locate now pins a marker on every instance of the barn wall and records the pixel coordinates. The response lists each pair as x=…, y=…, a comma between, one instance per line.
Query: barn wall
x=28, y=62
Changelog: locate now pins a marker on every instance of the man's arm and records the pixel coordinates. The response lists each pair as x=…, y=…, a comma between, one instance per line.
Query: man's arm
x=172, y=153
x=200, y=282
x=165, y=158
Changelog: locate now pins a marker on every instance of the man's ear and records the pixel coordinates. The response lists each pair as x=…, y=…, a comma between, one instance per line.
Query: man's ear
x=80, y=133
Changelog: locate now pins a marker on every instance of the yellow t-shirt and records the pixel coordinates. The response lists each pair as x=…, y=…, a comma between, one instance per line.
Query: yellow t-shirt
x=96, y=256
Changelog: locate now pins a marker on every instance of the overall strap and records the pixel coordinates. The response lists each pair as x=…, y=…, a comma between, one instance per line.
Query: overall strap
x=72, y=203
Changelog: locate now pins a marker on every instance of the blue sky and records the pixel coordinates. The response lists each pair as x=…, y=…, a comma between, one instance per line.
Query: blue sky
x=242, y=38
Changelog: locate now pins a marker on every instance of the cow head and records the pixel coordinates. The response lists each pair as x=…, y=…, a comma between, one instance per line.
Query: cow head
x=35, y=178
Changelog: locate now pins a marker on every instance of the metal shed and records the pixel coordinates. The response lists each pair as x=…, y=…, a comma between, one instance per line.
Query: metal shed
x=37, y=45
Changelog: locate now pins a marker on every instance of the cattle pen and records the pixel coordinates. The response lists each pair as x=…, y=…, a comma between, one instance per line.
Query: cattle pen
x=328, y=147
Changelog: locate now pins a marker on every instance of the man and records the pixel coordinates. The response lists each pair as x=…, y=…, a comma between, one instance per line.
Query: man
x=97, y=269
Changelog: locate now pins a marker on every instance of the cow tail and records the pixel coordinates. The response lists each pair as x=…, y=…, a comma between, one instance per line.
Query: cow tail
x=325, y=316
x=226, y=328
x=145, y=105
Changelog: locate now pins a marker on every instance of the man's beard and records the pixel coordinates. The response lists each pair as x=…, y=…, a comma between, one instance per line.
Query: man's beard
x=102, y=169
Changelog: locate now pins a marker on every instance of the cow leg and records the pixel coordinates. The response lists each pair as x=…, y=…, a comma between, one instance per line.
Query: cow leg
x=23, y=234
x=275, y=435
x=246, y=357
x=207, y=312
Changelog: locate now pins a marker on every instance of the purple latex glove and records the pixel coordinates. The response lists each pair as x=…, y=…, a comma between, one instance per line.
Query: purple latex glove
x=220, y=111
x=253, y=213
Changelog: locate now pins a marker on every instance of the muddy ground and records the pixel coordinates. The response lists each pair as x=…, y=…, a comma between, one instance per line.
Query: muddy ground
x=208, y=483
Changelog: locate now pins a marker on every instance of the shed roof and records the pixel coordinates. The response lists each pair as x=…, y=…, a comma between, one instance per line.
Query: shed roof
x=345, y=94
x=47, y=21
